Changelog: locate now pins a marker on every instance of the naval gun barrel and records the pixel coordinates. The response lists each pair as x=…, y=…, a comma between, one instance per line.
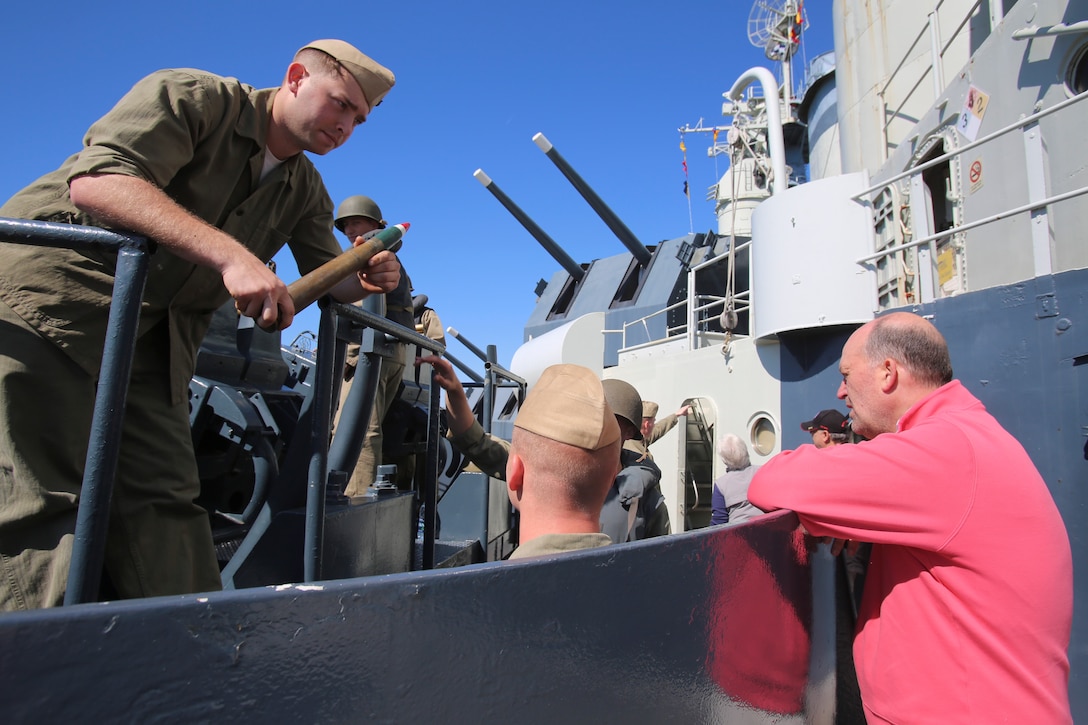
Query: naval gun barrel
x=467, y=343
x=625, y=235
x=550, y=246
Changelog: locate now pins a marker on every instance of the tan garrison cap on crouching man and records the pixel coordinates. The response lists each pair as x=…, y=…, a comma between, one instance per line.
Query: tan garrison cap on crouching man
x=374, y=79
x=567, y=405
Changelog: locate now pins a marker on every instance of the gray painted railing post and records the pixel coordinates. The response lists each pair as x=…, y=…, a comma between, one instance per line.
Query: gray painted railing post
x=103, y=448
x=319, y=453
x=430, y=479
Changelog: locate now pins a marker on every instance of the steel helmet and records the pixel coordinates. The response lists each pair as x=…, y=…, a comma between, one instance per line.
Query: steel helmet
x=358, y=205
x=624, y=401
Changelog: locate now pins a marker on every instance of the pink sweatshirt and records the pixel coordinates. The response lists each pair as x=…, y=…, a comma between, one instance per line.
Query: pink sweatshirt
x=968, y=599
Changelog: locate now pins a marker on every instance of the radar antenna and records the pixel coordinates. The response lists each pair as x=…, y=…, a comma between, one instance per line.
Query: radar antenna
x=775, y=26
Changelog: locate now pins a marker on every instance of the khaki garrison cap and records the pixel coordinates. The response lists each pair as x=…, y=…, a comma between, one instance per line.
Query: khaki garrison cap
x=374, y=79
x=649, y=409
x=567, y=405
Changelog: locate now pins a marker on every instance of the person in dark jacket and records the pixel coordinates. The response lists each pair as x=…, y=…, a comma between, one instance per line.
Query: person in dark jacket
x=635, y=508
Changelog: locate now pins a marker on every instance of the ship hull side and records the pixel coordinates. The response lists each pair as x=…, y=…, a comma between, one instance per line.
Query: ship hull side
x=676, y=629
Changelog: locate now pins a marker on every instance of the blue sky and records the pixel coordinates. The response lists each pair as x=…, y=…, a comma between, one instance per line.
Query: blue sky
x=609, y=83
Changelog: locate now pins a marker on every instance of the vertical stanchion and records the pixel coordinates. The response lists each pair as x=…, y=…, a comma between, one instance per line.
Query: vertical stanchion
x=92, y=517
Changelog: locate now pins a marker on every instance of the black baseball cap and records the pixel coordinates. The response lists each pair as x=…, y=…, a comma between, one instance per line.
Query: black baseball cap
x=830, y=420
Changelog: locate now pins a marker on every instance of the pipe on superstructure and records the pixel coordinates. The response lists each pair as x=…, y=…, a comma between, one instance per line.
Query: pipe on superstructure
x=766, y=79
x=550, y=246
x=625, y=235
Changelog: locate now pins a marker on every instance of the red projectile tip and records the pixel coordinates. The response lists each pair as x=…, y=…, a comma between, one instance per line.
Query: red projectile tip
x=404, y=225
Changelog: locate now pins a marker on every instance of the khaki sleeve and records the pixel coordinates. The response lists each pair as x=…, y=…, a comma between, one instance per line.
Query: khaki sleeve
x=153, y=130
x=662, y=427
x=485, y=450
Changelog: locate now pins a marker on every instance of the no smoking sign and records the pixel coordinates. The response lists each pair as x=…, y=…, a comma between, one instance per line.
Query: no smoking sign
x=974, y=175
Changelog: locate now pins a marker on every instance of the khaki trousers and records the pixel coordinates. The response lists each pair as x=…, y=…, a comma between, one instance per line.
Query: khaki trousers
x=370, y=457
x=159, y=541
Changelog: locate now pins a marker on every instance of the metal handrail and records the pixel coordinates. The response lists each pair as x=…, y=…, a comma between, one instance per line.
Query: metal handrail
x=383, y=324
x=103, y=448
x=974, y=144
x=500, y=372
x=976, y=223
x=104, y=444
x=643, y=321
x=913, y=171
x=1058, y=29
x=715, y=301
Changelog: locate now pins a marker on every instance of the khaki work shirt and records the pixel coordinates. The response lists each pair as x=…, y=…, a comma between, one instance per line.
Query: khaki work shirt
x=489, y=453
x=559, y=544
x=201, y=139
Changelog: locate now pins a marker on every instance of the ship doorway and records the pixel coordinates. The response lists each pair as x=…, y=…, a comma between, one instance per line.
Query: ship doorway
x=938, y=182
x=697, y=462
x=933, y=210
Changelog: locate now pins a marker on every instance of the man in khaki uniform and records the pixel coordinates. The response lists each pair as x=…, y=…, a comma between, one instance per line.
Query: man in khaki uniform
x=634, y=508
x=357, y=217
x=427, y=320
x=212, y=170
x=564, y=454
x=652, y=429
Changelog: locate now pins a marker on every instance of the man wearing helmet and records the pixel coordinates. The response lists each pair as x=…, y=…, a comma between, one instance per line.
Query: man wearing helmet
x=358, y=217
x=634, y=508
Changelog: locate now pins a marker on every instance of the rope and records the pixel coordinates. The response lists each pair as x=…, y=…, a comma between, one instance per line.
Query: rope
x=729, y=315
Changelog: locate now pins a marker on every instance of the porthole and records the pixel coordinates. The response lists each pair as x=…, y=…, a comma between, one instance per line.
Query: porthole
x=1076, y=77
x=763, y=435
